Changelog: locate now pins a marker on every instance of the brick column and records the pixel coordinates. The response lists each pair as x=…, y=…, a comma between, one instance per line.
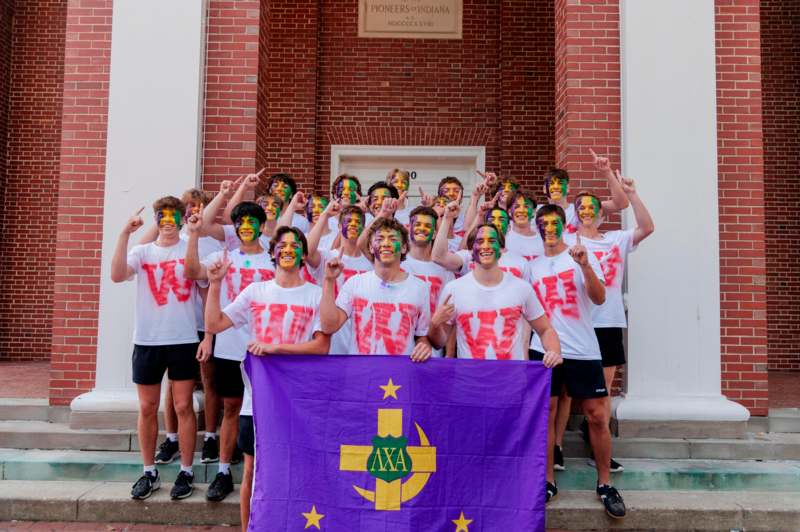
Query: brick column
x=587, y=85
x=79, y=225
x=741, y=205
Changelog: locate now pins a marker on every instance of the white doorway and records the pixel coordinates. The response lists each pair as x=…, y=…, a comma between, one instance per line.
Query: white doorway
x=427, y=164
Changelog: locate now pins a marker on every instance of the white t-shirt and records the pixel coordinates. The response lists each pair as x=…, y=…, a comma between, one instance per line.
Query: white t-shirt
x=244, y=270
x=274, y=315
x=529, y=247
x=434, y=276
x=403, y=216
x=326, y=241
x=612, y=251
x=458, y=226
x=386, y=316
x=510, y=262
x=301, y=222
x=559, y=284
x=206, y=245
x=165, y=299
x=491, y=320
x=342, y=339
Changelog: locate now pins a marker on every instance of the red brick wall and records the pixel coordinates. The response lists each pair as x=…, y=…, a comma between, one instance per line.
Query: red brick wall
x=80, y=199
x=741, y=205
x=780, y=44
x=6, y=23
x=489, y=88
x=27, y=241
x=231, y=90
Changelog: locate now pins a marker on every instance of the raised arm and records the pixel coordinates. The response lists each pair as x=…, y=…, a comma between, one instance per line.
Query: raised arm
x=313, y=237
x=245, y=191
x=331, y=317
x=388, y=207
x=618, y=199
x=192, y=267
x=440, y=254
x=210, y=226
x=298, y=201
x=120, y=270
x=595, y=288
x=216, y=320
x=644, y=222
x=477, y=195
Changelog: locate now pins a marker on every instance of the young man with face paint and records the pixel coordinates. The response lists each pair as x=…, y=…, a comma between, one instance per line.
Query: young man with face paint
x=347, y=189
x=521, y=237
x=491, y=310
x=280, y=316
x=315, y=206
x=506, y=188
x=388, y=307
x=285, y=187
x=226, y=233
x=556, y=189
x=353, y=260
x=377, y=193
x=423, y=221
x=452, y=189
x=611, y=249
x=461, y=261
x=401, y=180
x=250, y=263
x=165, y=337
x=568, y=282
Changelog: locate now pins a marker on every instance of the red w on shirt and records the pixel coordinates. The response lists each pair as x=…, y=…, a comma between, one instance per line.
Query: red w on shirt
x=371, y=331
x=610, y=263
x=181, y=287
x=435, y=284
x=268, y=326
x=549, y=289
x=486, y=335
x=246, y=276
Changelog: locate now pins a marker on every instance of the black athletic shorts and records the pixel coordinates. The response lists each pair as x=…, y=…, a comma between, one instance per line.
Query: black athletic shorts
x=612, y=347
x=247, y=436
x=151, y=361
x=584, y=379
x=228, y=377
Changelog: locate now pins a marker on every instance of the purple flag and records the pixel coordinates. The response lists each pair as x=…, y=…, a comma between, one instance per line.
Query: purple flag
x=379, y=443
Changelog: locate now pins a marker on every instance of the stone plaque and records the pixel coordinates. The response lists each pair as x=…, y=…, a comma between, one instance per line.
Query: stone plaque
x=410, y=19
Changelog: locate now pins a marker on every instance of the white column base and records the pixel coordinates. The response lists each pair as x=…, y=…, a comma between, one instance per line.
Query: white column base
x=114, y=408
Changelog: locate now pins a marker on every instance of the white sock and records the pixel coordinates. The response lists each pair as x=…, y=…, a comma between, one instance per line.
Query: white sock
x=224, y=468
x=210, y=435
x=151, y=469
x=187, y=469
x=172, y=436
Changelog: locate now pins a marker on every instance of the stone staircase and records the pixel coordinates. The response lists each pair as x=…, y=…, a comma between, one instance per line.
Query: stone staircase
x=50, y=471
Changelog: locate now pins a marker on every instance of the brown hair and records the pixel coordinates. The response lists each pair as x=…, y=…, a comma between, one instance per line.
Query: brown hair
x=391, y=224
x=169, y=202
x=282, y=230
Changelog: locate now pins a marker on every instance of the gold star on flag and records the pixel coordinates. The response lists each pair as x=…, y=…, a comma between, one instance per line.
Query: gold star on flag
x=390, y=389
x=462, y=523
x=313, y=518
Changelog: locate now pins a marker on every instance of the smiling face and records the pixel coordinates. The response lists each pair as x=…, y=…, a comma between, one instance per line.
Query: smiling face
x=486, y=247
x=376, y=199
x=352, y=226
x=169, y=218
x=450, y=191
x=288, y=252
x=588, y=210
x=508, y=187
x=387, y=245
x=271, y=207
x=315, y=206
x=550, y=228
x=347, y=191
x=499, y=219
x=557, y=188
x=522, y=210
x=423, y=227
x=248, y=228
x=399, y=180
x=281, y=189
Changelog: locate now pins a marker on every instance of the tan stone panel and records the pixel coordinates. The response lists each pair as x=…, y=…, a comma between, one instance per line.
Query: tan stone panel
x=410, y=19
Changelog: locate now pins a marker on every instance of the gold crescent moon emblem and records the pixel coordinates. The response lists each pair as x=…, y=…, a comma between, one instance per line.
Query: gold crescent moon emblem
x=415, y=483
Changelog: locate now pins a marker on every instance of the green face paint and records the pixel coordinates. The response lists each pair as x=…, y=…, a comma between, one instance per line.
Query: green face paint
x=169, y=216
x=550, y=228
x=387, y=240
x=347, y=189
x=289, y=251
x=486, y=239
x=248, y=228
x=423, y=227
x=499, y=219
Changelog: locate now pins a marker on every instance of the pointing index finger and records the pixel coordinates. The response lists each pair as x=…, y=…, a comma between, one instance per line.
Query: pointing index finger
x=139, y=212
x=593, y=153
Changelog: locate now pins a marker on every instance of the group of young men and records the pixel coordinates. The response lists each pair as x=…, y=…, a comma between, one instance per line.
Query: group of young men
x=284, y=272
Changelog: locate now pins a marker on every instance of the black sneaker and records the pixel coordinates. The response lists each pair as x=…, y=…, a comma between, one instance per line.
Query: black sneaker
x=210, y=451
x=183, y=486
x=614, y=466
x=237, y=457
x=220, y=488
x=612, y=500
x=167, y=451
x=551, y=490
x=558, y=459
x=145, y=486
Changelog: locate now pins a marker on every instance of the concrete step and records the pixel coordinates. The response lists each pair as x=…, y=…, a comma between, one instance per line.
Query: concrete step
x=572, y=510
x=60, y=465
x=26, y=409
x=784, y=420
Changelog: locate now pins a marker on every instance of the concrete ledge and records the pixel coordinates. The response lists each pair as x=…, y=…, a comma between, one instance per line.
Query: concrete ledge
x=572, y=510
x=681, y=429
x=784, y=420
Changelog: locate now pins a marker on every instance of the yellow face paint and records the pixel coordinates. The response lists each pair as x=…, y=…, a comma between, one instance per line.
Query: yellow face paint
x=550, y=228
x=315, y=207
x=450, y=191
x=352, y=226
x=556, y=189
x=486, y=247
x=271, y=208
x=423, y=227
x=281, y=189
x=348, y=191
x=588, y=210
x=376, y=200
x=168, y=217
x=248, y=228
x=400, y=181
x=522, y=210
x=387, y=245
x=289, y=251
x=499, y=219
